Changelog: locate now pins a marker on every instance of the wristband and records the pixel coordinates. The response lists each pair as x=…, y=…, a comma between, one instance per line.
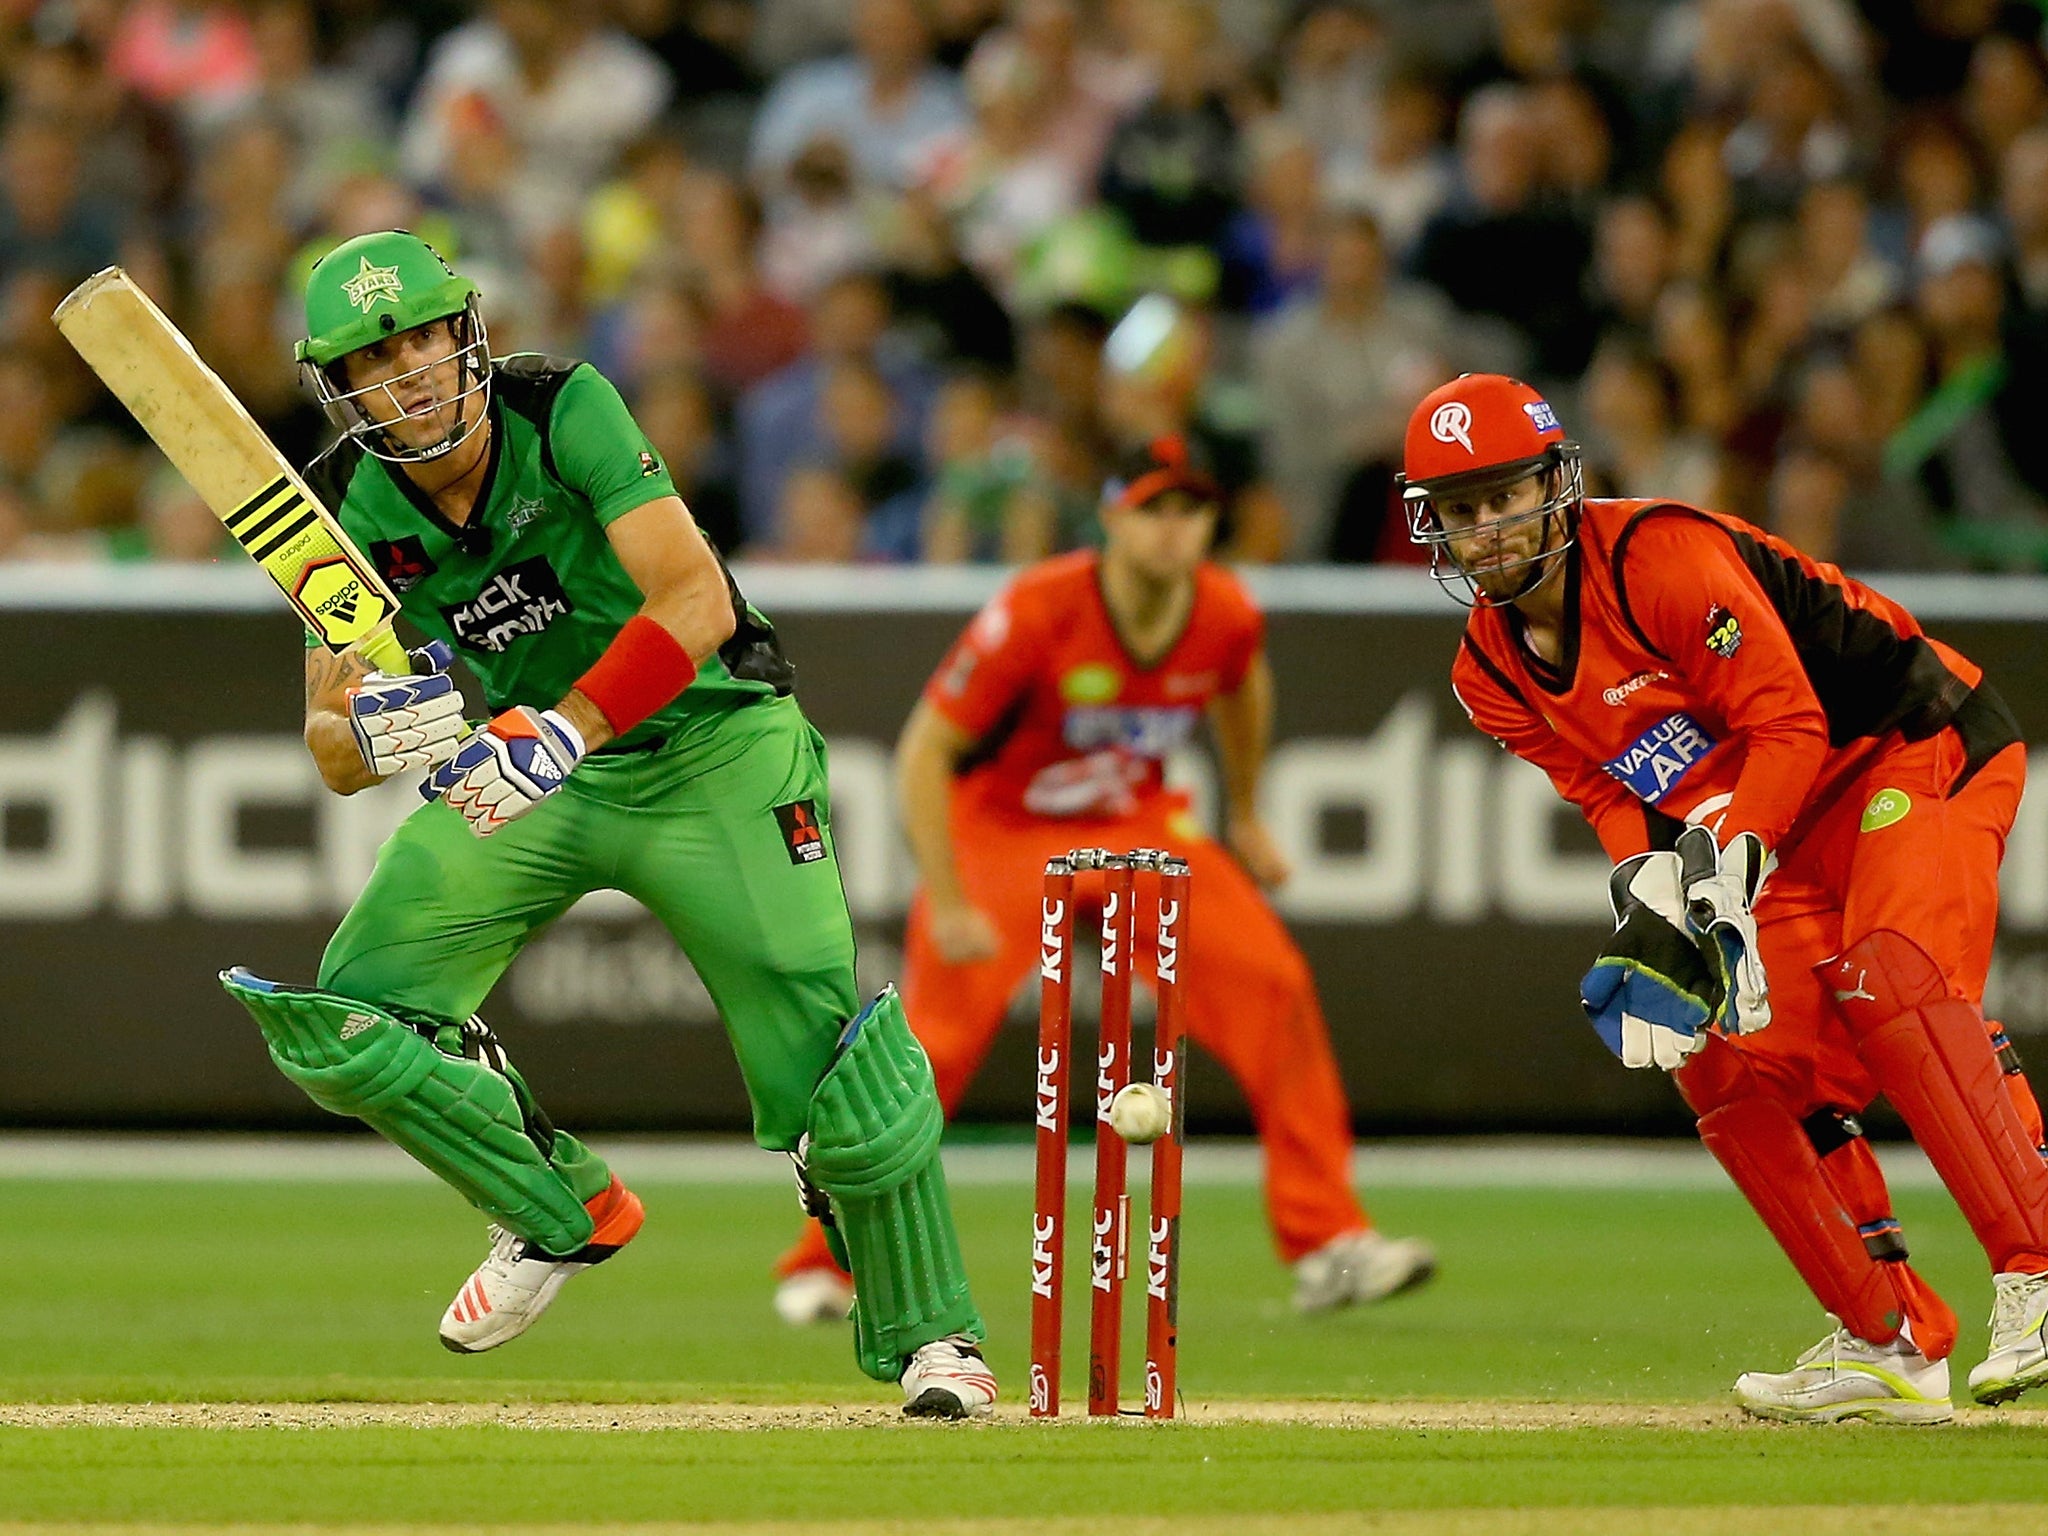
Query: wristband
x=642, y=669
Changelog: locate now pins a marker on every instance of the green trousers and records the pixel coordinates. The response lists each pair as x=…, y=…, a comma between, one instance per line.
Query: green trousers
x=725, y=838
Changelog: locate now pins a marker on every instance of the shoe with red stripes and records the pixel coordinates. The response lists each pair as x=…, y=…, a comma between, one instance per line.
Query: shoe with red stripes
x=948, y=1379
x=514, y=1285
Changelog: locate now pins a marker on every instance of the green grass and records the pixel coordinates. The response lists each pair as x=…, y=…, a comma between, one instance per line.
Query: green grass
x=199, y=1292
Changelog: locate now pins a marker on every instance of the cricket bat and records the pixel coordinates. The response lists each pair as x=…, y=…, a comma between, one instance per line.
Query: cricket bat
x=216, y=445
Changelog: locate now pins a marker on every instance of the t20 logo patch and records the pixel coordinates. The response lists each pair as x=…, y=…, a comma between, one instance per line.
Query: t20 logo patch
x=404, y=563
x=1661, y=756
x=522, y=599
x=1724, y=632
x=802, y=836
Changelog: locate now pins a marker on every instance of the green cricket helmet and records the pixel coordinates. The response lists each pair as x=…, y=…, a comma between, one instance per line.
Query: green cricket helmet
x=375, y=286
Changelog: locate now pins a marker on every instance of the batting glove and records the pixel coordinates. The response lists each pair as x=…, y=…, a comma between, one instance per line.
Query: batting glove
x=1652, y=993
x=505, y=768
x=1721, y=886
x=408, y=722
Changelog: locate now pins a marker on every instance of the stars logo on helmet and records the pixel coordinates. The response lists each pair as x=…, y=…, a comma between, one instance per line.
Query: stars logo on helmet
x=1451, y=422
x=371, y=284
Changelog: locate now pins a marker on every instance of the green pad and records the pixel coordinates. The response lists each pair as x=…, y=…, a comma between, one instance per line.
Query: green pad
x=875, y=1124
x=467, y=1121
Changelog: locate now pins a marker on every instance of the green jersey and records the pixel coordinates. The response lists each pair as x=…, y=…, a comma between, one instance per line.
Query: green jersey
x=529, y=591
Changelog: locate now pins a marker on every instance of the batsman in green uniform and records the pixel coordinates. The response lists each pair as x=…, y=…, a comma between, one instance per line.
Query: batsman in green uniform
x=644, y=737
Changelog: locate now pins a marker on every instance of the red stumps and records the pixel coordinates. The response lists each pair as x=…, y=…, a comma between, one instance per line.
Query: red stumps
x=1109, y=1229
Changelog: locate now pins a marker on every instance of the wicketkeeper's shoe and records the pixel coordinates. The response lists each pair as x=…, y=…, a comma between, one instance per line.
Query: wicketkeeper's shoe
x=1360, y=1267
x=2019, y=1340
x=1844, y=1377
x=515, y=1283
x=807, y=1296
x=948, y=1379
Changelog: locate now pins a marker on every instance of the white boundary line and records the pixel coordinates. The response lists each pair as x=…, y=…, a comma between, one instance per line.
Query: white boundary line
x=236, y=587
x=1479, y=1163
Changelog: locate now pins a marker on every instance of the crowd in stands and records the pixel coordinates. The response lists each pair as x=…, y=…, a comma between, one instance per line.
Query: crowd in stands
x=897, y=280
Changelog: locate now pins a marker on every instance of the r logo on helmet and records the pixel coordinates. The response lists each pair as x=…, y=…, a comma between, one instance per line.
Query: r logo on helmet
x=1452, y=423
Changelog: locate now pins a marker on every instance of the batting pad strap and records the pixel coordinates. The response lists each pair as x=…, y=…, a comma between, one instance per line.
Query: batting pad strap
x=873, y=1149
x=458, y=1115
x=644, y=668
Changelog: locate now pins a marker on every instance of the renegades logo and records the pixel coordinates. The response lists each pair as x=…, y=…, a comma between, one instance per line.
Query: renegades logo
x=801, y=834
x=404, y=563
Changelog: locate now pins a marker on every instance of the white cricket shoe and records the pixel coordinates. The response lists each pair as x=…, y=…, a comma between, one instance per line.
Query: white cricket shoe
x=515, y=1283
x=806, y=1296
x=2019, y=1340
x=948, y=1379
x=1844, y=1377
x=1360, y=1267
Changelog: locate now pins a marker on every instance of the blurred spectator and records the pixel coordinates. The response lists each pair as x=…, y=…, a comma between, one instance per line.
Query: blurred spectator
x=1953, y=446
x=1158, y=383
x=174, y=525
x=1334, y=63
x=1338, y=373
x=1634, y=443
x=1059, y=413
x=989, y=502
x=332, y=116
x=1578, y=146
x=1271, y=250
x=958, y=25
x=781, y=424
x=1539, y=292
x=1794, y=132
x=1536, y=42
x=1082, y=88
x=1407, y=173
x=565, y=93
x=1924, y=47
x=1847, y=280
x=45, y=222
x=2023, y=198
x=196, y=56
x=1934, y=175
x=1171, y=167
x=821, y=521
x=750, y=332
x=1632, y=257
x=860, y=440
x=2007, y=92
x=1691, y=338
x=1697, y=189
x=823, y=222
x=63, y=478
x=886, y=104
x=941, y=304
x=677, y=413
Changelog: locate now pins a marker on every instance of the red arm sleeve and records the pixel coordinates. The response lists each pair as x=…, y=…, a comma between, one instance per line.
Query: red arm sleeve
x=990, y=667
x=1615, y=815
x=1247, y=636
x=1699, y=606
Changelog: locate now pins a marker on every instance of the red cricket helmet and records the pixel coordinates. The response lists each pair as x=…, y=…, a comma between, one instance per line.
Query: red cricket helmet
x=1484, y=430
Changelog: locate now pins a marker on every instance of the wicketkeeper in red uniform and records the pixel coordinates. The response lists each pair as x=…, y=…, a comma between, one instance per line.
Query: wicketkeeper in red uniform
x=1046, y=728
x=1807, y=799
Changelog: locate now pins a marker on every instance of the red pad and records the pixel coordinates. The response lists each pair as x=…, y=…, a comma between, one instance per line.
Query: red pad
x=643, y=669
x=1767, y=1153
x=1930, y=1051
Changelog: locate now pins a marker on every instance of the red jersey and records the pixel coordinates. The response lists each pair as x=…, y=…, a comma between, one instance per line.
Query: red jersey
x=1711, y=672
x=1066, y=722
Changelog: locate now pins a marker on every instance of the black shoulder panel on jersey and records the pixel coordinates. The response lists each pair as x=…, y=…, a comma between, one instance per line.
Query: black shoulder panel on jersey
x=1868, y=677
x=1492, y=669
x=754, y=653
x=332, y=470
x=528, y=382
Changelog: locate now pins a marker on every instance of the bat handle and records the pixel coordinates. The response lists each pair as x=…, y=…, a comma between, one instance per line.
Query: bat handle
x=382, y=648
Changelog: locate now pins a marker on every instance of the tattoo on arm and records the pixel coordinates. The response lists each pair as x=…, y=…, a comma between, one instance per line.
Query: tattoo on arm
x=326, y=672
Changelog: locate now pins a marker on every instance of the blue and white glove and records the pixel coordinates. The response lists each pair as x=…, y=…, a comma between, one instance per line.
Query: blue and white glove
x=506, y=767
x=408, y=722
x=1721, y=887
x=1652, y=993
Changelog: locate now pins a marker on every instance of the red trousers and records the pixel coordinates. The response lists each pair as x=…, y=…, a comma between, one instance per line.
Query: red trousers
x=1250, y=1000
x=1892, y=855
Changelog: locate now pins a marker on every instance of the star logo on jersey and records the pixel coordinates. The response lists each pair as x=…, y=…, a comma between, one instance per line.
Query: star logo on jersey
x=371, y=285
x=524, y=511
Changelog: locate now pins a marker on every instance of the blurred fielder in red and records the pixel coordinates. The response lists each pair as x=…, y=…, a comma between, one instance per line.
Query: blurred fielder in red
x=1808, y=800
x=1046, y=728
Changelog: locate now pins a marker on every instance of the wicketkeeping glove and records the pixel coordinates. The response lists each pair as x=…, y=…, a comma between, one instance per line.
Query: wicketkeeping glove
x=408, y=722
x=506, y=767
x=1721, y=886
x=1652, y=993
